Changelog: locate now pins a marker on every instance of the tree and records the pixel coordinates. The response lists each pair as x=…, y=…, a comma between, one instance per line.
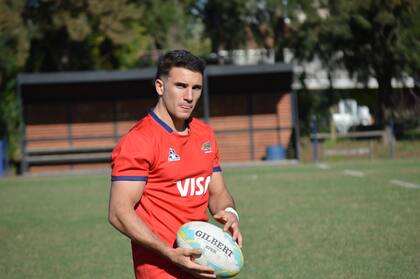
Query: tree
x=225, y=22
x=47, y=35
x=74, y=35
x=14, y=51
x=370, y=38
x=271, y=19
x=170, y=24
x=79, y=35
x=14, y=39
x=97, y=34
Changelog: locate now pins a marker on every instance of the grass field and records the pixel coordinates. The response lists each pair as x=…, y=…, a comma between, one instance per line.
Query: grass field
x=358, y=219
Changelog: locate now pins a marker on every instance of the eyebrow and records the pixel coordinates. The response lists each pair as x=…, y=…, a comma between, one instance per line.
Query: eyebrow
x=195, y=86
x=181, y=83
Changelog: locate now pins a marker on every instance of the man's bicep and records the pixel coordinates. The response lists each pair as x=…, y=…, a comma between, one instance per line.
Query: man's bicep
x=219, y=196
x=123, y=198
x=126, y=192
x=217, y=184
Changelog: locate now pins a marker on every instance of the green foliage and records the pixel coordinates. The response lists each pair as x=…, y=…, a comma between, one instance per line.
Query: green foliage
x=137, y=53
x=68, y=35
x=93, y=34
x=313, y=104
x=14, y=51
x=80, y=35
x=166, y=25
x=271, y=19
x=370, y=38
x=225, y=23
x=10, y=120
x=165, y=21
x=195, y=41
x=14, y=39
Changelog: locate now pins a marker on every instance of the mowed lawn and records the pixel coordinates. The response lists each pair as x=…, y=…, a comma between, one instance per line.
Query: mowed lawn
x=358, y=219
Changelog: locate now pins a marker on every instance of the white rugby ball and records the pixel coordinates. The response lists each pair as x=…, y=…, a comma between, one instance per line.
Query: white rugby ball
x=219, y=250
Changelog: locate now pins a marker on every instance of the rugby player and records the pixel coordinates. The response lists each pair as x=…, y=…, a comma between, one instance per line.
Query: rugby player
x=166, y=172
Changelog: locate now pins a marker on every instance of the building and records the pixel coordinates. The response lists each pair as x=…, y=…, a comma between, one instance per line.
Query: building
x=72, y=120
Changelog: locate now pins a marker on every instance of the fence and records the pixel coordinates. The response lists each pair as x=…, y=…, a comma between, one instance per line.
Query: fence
x=386, y=136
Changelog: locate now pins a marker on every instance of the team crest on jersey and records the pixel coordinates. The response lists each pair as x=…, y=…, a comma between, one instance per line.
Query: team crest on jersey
x=173, y=156
x=206, y=147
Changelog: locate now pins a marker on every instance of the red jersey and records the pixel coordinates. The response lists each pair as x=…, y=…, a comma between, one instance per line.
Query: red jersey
x=177, y=170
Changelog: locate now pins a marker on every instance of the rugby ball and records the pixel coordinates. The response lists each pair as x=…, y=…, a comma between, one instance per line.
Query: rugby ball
x=219, y=250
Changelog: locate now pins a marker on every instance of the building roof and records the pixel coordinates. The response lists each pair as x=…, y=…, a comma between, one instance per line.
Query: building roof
x=145, y=74
x=219, y=79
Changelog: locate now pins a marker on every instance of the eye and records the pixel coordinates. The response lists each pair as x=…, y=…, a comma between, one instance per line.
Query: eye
x=180, y=85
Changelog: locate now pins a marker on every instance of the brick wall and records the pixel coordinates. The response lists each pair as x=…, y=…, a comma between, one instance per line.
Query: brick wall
x=269, y=129
x=100, y=123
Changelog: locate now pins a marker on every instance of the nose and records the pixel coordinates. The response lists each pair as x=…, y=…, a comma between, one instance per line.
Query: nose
x=188, y=96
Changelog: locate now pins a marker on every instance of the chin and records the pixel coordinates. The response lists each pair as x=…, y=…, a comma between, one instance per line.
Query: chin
x=184, y=114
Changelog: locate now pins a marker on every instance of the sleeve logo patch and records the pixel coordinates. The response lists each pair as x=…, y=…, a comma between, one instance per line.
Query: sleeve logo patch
x=206, y=147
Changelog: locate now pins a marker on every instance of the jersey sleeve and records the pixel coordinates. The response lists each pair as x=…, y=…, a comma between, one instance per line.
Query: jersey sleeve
x=131, y=159
x=216, y=165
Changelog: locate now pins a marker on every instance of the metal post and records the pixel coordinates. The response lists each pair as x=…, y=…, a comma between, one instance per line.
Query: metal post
x=1, y=158
x=69, y=119
x=24, y=166
x=206, y=109
x=295, y=122
x=6, y=156
x=391, y=139
x=115, y=120
x=251, y=128
x=314, y=136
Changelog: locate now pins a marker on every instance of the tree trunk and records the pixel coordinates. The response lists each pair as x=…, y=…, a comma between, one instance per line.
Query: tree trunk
x=279, y=34
x=384, y=99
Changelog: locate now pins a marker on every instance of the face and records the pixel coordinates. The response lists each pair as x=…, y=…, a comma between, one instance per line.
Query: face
x=179, y=92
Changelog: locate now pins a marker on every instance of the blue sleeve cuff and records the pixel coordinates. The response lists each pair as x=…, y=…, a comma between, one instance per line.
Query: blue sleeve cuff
x=128, y=178
x=217, y=169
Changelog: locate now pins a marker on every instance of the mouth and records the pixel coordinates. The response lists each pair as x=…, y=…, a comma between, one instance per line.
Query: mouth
x=186, y=107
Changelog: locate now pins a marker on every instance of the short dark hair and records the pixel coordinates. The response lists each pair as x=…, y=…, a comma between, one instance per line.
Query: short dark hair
x=179, y=58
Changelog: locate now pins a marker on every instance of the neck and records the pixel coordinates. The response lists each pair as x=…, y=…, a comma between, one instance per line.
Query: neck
x=177, y=125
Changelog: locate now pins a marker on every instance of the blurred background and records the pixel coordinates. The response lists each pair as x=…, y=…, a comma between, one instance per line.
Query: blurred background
x=287, y=79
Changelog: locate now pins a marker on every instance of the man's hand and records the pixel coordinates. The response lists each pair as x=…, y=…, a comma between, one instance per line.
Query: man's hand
x=219, y=200
x=183, y=258
x=231, y=223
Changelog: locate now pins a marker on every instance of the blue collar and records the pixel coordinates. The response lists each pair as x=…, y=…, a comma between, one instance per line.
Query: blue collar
x=163, y=124
x=160, y=121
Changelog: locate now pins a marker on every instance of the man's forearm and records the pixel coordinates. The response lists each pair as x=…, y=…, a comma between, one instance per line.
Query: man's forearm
x=129, y=224
x=220, y=202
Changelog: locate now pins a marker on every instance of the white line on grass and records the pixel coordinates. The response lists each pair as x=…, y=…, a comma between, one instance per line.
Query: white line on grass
x=323, y=166
x=404, y=184
x=354, y=173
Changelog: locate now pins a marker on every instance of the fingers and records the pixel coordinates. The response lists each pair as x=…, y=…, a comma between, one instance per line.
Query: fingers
x=218, y=215
x=195, y=253
x=233, y=227
x=188, y=264
x=231, y=224
x=224, y=216
x=239, y=239
x=201, y=271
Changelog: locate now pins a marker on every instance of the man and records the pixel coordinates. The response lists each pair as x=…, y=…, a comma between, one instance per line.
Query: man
x=165, y=172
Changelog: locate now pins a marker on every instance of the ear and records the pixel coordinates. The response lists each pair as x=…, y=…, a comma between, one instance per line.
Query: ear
x=159, y=86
